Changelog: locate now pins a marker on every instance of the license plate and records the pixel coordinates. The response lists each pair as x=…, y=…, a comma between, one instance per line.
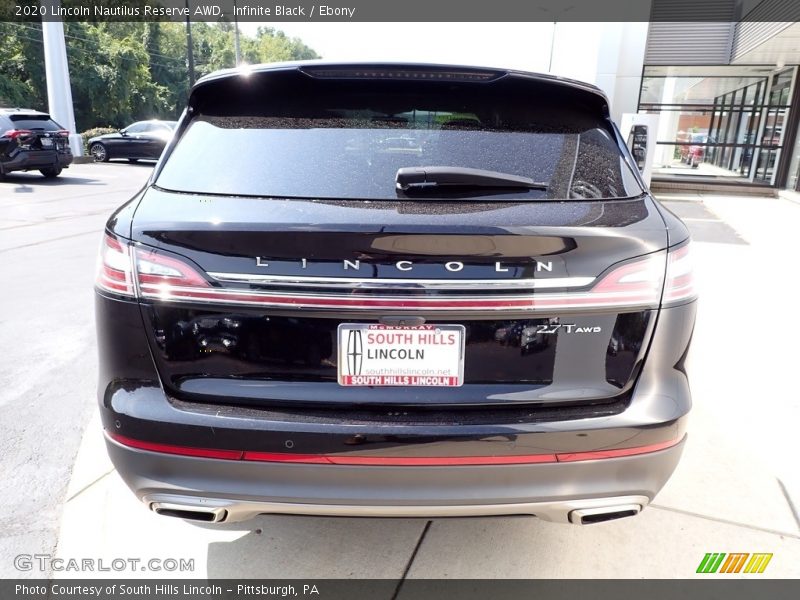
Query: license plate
x=46, y=142
x=383, y=355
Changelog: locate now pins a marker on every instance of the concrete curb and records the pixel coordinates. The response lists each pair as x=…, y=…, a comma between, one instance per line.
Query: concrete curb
x=91, y=462
x=790, y=195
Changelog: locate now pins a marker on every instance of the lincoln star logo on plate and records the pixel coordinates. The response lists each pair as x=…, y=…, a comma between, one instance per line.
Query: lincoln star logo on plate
x=354, y=352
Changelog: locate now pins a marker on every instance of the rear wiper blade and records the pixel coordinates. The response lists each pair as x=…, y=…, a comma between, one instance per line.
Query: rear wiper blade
x=423, y=178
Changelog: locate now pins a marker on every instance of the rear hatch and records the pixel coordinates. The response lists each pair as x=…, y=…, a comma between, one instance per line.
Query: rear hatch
x=37, y=133
x=280, y=263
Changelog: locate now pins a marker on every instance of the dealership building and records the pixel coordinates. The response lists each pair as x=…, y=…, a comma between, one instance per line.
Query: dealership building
x=725, y=91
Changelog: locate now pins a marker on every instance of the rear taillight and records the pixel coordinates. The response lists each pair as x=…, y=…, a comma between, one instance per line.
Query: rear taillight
x=636, y=283
x=640, y=282
x=679, y=283
x=130, y=271
x=165, y=278
x=14, y=134
x=114, y=267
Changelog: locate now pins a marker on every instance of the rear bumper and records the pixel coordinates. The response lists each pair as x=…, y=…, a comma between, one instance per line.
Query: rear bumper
x=236, y=491
x=37, y=159
x=291, y=460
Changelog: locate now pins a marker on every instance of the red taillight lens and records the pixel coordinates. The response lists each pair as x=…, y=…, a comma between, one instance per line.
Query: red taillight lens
x=163, y=277
x=640, y=282
x=114, y=268
x=63, y=132
x=17, y=133
x=122, y=266
x=679, y=284
x=636, y=283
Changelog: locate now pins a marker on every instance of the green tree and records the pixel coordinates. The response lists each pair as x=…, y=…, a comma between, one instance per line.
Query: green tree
x=22, y=79
x=122, y=72
x=273, y=46
x=110, y=74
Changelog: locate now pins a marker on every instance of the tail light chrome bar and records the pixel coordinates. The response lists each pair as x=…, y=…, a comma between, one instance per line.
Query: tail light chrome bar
x=141, y=272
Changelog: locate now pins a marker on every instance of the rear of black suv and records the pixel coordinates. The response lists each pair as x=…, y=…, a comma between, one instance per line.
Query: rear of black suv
x=32, y=141
x=394, y=290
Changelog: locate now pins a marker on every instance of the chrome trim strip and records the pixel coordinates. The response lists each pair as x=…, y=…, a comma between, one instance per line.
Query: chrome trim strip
x=401, y=284
x=241, y=510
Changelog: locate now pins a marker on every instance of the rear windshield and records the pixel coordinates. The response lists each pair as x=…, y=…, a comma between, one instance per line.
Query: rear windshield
x=340, y=143
x=34, y=122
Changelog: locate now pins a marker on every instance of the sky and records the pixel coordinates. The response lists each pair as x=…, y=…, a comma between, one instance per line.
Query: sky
x=510, y=45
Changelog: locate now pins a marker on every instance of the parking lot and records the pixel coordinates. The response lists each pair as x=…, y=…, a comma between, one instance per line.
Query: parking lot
x=737, y=488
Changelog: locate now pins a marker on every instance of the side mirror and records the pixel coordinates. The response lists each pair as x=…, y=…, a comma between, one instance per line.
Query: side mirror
x=123, y=132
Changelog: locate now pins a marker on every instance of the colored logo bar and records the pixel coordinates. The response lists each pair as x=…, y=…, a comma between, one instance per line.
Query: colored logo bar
x=735, y=562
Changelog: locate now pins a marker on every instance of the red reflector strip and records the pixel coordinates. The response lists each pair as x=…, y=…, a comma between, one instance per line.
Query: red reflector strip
x=182, y=450
x=616, y=453
x=399, y=461
x=387, y=461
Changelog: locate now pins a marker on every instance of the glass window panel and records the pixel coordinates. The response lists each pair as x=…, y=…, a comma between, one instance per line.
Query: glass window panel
x=719, y=121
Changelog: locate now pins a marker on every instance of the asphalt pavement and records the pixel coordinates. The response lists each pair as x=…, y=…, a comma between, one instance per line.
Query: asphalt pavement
x=736, y=489
x=49, y=236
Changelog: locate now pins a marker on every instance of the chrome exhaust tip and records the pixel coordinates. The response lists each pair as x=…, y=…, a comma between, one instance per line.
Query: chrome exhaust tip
x=589, y=516
x=205, y=514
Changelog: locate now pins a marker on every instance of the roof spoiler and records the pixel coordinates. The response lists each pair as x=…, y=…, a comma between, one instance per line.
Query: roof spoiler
x=246, y=76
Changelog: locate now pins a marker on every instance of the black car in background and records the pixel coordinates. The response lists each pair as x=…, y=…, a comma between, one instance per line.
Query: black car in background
x=408, y=291
x=31, y=141
x=141, y=140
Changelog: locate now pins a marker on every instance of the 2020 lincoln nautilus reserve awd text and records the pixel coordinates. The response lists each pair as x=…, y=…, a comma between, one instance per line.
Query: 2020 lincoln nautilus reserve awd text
x=394, y=290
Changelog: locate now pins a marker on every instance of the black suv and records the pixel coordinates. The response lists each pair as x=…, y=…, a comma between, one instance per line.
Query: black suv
x=32, y=141
x=407, y=290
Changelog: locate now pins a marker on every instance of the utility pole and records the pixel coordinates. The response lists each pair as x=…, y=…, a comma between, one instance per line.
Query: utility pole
x=189, y=47
x=236, y=47
x=59, y=91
